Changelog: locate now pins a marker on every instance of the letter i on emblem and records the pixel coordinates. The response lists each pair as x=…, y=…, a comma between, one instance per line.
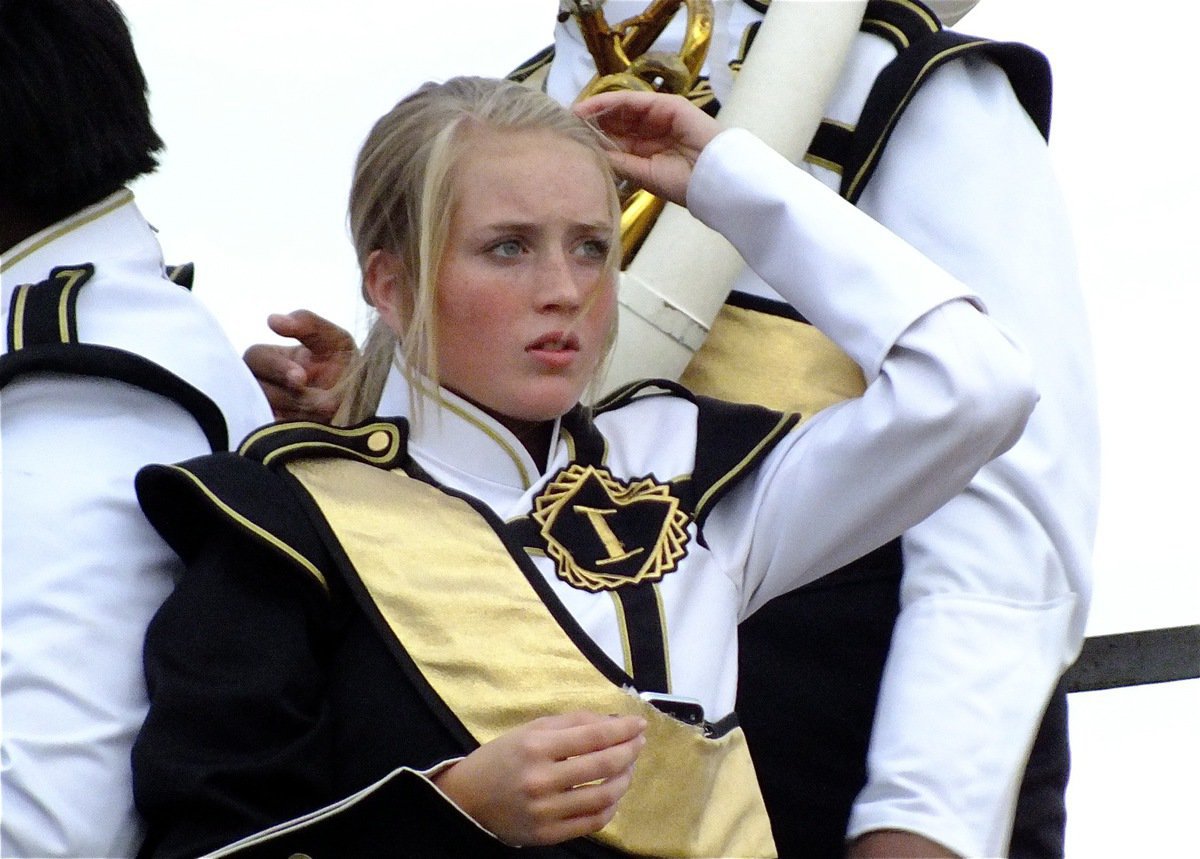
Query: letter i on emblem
x=612, y=545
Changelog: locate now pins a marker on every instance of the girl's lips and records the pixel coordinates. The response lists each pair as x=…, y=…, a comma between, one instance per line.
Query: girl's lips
x=555, y=350
x=555, y=341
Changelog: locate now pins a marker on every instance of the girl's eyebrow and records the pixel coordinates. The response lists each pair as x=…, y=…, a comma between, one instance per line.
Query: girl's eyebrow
x=524, y=227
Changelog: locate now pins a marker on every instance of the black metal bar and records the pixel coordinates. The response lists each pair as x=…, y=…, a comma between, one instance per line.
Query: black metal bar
x=1136, y=658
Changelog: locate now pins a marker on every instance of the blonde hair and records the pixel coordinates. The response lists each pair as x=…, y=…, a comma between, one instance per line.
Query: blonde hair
x=402, y=198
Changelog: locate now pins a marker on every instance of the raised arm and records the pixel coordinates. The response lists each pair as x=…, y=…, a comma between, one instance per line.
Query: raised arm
x=947, y=390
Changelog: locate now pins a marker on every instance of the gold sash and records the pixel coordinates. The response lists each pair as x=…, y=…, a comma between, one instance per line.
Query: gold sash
x=489, y=647
x=767, y=360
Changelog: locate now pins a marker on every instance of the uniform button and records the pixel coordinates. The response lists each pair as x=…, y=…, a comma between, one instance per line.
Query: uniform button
x=378, y=441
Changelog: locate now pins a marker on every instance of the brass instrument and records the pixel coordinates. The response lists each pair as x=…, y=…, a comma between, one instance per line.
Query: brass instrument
x=622, y=52
x=624, y=61
x=675, y=286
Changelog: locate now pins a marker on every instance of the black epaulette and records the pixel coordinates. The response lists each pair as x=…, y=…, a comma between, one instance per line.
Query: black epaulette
x=43, y=337
x=183, y=274
x=382, y=443
x=731, y=440
x=922, y=47
x=640, y=390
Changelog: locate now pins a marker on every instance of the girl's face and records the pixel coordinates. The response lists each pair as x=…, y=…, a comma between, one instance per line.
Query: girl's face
x=525, y=300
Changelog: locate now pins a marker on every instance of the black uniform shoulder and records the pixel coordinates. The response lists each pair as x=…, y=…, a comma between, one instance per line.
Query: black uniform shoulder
x=250, y=495
x=731, y=440
x=922, y=48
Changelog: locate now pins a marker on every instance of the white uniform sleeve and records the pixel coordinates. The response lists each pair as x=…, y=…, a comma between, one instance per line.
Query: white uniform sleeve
x=997, y=582
x=83, y=572
x=947, y=391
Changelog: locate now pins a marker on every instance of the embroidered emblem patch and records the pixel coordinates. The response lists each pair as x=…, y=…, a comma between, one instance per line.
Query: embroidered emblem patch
x=604, y=533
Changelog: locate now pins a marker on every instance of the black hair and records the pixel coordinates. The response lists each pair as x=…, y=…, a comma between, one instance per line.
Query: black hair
x=74, y=115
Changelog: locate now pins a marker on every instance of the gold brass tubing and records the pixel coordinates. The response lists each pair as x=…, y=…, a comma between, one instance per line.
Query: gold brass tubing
x=638, y=215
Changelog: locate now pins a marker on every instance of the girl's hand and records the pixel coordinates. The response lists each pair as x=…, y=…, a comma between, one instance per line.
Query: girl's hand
x=658, y=137
x=550, y=780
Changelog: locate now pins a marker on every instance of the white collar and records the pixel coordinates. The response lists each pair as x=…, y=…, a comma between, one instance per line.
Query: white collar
x=109, y=231
x=454, y=435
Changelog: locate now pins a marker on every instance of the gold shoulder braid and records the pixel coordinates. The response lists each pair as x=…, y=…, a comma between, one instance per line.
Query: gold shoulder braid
x=507, y=660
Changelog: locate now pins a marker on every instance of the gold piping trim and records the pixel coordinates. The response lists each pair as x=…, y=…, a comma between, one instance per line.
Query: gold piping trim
x=320, y=445
x=123, y=197
x=900, y=35
x=18, y=317
x=832, y=166
x=65, y=303
x=533, y=64
x=623, y=630
x=933, y=24
x=614, y=399
x=526, y=479
x=273, y=429
x=569, y=439
x=255, y=529
x=366, y=431
x=735, y=64
x=626, y=650
x=737, y=469
x=934, y=61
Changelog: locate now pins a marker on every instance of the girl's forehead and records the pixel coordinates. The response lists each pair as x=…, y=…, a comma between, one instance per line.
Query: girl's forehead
x=520, y=164
x=485, y=142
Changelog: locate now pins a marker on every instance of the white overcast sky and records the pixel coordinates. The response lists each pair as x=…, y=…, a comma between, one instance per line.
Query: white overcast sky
x=263, y=105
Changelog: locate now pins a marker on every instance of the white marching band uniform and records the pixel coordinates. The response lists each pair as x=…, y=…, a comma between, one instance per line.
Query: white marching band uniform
x=997, y=582
x=947, y=392
x=146, y=375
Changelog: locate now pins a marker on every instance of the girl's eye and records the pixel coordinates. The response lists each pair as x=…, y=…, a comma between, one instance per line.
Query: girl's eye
x=507, y=249
x=594, y=249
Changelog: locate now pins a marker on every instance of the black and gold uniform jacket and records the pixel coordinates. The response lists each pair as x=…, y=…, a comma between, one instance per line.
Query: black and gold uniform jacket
x=346, y=625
